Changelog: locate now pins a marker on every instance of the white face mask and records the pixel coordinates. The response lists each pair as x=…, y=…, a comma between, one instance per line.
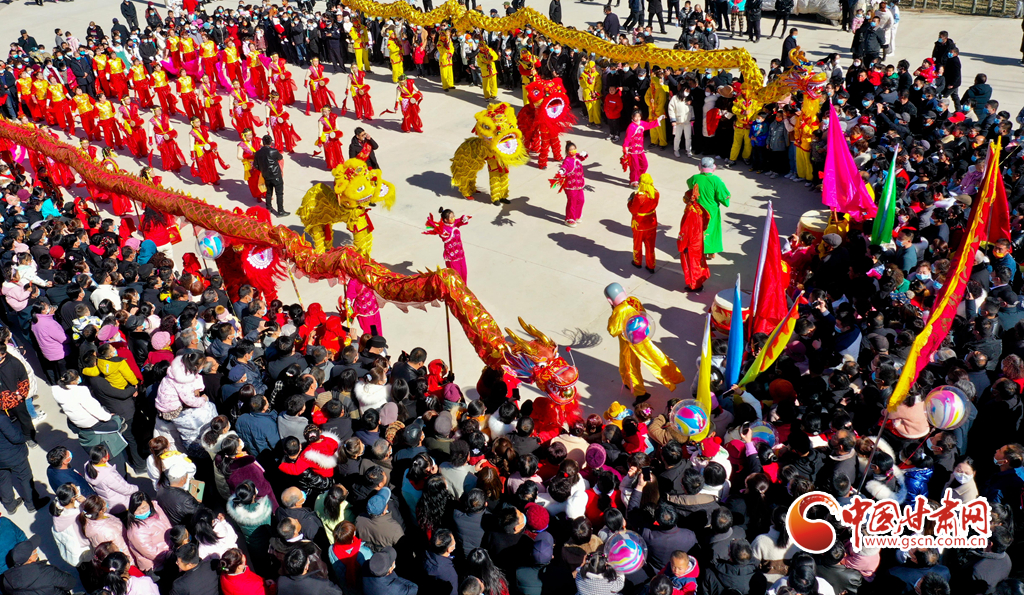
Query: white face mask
x=962, y=478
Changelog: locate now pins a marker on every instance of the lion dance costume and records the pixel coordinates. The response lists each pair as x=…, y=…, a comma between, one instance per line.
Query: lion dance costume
x=544, y=118
x=498, y=144
x=630, y=325
x=355, y=185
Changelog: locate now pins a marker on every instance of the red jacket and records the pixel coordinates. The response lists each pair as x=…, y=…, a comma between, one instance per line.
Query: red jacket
x=613, y=105
x=321, y=457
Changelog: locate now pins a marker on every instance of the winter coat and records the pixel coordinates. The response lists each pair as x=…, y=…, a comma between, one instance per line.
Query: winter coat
x=148, y=540
x=50, y=335
x=916, y=481
x=320, y=456
x=107, y=529
x=250, y=519
x=77, y=402
x=110, y=486
x=226, y=539
x=178, y=388
x=893, y=487
x=10, y=536
x=37, y=578
x=728, y=575
x=371, y=396
x=116, y=370
x=67, y=533
x=246, y=468
x=176, y=464
x=258, y=431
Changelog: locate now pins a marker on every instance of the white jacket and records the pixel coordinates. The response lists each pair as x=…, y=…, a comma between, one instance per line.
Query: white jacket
x=72, y=544
x=177, y=464
x=79, y=405
x=371, y=396
x=679, y=112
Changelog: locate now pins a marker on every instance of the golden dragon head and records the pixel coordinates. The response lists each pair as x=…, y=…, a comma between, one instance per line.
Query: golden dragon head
x=539, y=363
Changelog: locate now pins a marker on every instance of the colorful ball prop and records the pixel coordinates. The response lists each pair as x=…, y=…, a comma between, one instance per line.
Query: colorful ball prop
x=210, y=244
x=946, y=407
x=626, y=552
x=689, y=417
x=763, y=432
x=639, y=328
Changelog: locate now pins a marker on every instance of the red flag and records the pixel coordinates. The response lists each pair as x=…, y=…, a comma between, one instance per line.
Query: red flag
x=768, y=302
x=999, y=218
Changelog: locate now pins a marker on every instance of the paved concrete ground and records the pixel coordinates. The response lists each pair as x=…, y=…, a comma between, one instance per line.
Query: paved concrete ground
x=522, y=260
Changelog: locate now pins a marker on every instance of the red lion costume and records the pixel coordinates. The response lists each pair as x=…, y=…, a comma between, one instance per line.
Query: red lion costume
x=259, y=266
x=544, y=118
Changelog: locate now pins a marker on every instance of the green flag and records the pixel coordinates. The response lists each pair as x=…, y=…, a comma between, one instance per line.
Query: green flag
x=881, y=231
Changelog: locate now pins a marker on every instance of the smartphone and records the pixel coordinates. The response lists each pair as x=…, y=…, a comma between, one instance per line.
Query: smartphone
x=647, y=473
x=744, y=428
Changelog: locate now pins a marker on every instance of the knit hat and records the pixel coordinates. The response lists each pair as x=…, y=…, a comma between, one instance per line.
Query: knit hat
x=107, y=333
x=443, y=424
x=161, y=339
x=596, y=456
x=537, y=517
x=781, y=390
x=381, y=562
x=616, y=411
x=710, y=446
x=133, y=243
x=388, y=414
x=451, y=393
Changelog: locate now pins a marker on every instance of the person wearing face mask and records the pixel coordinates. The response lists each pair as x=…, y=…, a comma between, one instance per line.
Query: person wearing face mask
x=868, y=41
x=962, y=482
x=680, y=114
x=1007, y=485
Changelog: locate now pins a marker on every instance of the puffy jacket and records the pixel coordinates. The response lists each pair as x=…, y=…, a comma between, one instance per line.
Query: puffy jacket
x=72, y=544
x=148, y=540
x=79, y=405
x=37, y=578
x=178, y=388
x=10, y=536
x=267, y=161
x=106, y=529
x=250, y=518
x=110, y=486
x=116, y=370
x=679, y=111
x=50, y=335
x=320, y=456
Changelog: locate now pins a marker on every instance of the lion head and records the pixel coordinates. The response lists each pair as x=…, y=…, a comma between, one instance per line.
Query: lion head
x=550, y=102
x=498, y=126
x=356, y=185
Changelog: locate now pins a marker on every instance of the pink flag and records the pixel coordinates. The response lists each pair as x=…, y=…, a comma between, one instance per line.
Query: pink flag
x=842, y=188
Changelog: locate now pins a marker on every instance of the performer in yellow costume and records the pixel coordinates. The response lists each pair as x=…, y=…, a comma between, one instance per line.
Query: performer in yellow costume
x=395, y=55
x=498, y=144
x=486, y=61
x=528, y=71
x=355, y=187
x=445, y=51
x=635, y=346
x=360, y=45
x=590, y=88
x=657, y=104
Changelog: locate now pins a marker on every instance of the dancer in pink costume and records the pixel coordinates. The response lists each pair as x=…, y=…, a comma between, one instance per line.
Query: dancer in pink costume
x=570, y=178
x=364, y=307
x=447, y=227
x=634, y=157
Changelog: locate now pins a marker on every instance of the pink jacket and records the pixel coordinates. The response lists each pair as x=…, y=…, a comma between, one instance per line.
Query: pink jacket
x=911, y=422
x=17, y=295
x=107, y=529
x=178, y=388
x=634, y=141
x=113, y=488
x=148, y=540
x=51, y=337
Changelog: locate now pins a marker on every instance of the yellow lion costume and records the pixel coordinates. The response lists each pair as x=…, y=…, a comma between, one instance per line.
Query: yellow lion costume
x=355, y=186
x=498, y=144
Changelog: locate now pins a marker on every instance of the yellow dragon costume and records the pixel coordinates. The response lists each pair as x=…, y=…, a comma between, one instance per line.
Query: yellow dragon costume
x=498, y=144
x=355, y=185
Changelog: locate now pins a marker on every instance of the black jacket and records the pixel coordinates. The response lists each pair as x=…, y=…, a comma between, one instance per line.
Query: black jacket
x=788, y=44
x=312, y=526
x=13, y=452
x=391, y=584
x=178, y=504
x=307, y=584
x=267, y=161
x=441, y=575
x=356, y=146
x=744, y=578
x=555, y=11
x=129, y=12
x=119, y=401
x=37, y=578
x=844, y=580
x=201, y=580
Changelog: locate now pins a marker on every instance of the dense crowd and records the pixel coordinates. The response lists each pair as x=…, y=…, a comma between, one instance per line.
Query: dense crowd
x=274, y=460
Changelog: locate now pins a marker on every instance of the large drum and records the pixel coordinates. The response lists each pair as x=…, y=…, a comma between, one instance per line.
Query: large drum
x=815, y=221
x=721, y=309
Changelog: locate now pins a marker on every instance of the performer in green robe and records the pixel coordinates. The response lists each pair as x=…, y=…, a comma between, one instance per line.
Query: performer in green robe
x=712, y=194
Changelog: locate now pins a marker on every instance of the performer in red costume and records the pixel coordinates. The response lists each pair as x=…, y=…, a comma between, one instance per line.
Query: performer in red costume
x=691, y=242
x=99, y=66
x=208, y=57
x=205, y=157
x=105, y=112
x=94, y=154
x=246, y=152
x=211, y=104
x=241, y=109
x=229, y=56
x=187, y=47
x=282, y=79
x=85, y=107
x=119, y=203
x=330, y=139
x=643, y=204
x=26, y=100
x=409, y=99
x=40, y=89
x=58, y=109
x=544, y=118
x=258, y=75
x=118, y=77
x=316, y=87
x=285, y=137
x=133, y=129
x=165, y=137
x=168, y=101
x=360, y=90
x=141, y=84
x=189, y=98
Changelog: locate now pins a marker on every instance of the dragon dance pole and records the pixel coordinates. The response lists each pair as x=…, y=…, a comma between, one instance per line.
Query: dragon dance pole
x=295, y=286
x=448, y=325
x=195, y=234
